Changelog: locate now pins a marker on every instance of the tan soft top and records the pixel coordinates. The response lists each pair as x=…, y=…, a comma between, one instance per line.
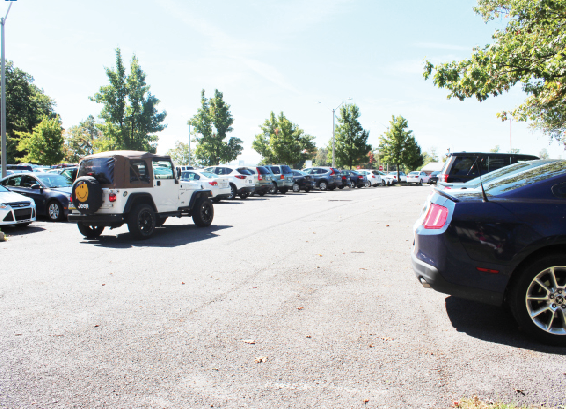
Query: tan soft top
x=127, y=154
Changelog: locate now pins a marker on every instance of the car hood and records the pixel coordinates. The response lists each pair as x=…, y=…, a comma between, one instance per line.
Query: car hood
x=11, y=197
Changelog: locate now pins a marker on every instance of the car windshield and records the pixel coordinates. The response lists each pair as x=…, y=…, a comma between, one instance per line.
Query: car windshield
x=53, y=180
x=528, y=176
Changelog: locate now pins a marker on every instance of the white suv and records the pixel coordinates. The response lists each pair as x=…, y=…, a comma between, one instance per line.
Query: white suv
x=240, y=179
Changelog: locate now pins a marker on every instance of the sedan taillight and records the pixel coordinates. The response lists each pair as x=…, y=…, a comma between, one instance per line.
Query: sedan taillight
x=213, y=183
x=435, y=217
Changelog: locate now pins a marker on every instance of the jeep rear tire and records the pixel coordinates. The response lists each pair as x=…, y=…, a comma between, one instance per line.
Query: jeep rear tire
x=90, y=232
x=141, y=222
x=203, y=212
x=87, y=195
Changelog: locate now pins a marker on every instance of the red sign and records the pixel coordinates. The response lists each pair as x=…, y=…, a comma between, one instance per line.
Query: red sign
x=380, y=167
x=358, y=167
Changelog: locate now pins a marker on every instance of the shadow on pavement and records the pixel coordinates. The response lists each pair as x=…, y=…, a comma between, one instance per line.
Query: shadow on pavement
x=493, y=324
x=19, y=230
x=165, y=236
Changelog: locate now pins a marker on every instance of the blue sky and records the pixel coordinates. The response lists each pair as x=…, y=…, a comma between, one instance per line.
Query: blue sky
x=271, y=56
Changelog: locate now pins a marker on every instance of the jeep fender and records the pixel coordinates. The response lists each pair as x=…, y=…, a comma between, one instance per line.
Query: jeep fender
x=197, y=195
x=139, y=198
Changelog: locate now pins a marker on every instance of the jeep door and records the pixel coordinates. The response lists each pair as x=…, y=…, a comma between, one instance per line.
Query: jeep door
x=165, y=186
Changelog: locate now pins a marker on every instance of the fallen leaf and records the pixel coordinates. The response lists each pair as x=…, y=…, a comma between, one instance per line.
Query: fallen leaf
x=249, y=341
x=386, y=338
x=320, y=255
x=260, y=359
x=366, y=400
x=362, y=268
x=386, y=225
x=309, y=336
x=96, y=326
x=300, y=308
x=522, y=392
x=182, y=283
x=455, y=403
x=371, y=345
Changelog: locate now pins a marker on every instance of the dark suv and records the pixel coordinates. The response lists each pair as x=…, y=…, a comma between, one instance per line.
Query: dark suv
x=463, y=166
x=325, y=178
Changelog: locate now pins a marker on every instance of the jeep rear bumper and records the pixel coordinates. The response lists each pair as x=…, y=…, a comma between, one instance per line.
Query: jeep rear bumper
x=97, y=219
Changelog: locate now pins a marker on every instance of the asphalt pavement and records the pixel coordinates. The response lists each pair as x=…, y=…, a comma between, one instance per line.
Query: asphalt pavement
x=290, y=301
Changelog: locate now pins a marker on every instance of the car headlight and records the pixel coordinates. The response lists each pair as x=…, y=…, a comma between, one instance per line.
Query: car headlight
x=4, y=206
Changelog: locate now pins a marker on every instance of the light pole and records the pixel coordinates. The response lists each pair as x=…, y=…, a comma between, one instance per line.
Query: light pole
x=334, y=131
x=3, y=107
x=189, y=144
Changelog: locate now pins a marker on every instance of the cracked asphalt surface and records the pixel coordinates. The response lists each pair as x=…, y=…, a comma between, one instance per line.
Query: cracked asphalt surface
x=287, y=301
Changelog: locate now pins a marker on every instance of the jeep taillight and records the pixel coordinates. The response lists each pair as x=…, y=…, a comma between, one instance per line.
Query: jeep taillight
x=240, y=176
x=435, y=217
x=112, y=197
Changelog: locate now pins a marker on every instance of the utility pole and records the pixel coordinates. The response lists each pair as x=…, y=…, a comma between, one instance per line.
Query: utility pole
x=3, y=105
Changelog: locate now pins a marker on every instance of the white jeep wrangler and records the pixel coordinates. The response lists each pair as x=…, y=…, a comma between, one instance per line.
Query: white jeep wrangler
x=137, y=188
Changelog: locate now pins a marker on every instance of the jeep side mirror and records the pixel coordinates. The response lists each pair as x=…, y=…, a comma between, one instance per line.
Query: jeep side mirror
x=35, y=186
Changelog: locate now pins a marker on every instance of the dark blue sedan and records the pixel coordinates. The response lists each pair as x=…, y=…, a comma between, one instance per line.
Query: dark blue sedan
x=501, y=243
x=51, y=192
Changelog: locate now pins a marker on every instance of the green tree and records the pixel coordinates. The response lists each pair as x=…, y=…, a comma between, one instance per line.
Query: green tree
x=129, y=112
x=399, y=147
x=351, y=145
x=81, y=140
x=26, y=106
x=496, y=149
x=431, y=157
x=282, y=141
x=543, y=153
x=529, y=50
x=181, y=154
x=212, y=122
x=45, y=144
x=321, y=158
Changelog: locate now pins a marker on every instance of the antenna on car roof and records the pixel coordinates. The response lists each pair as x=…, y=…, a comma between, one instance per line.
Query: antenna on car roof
x=484, y=196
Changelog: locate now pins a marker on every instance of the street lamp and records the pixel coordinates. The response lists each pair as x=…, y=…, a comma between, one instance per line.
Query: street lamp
x=3, y=107
x=334, y=131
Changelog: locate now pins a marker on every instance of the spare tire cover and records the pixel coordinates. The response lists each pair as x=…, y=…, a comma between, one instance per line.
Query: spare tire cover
x=87, y=195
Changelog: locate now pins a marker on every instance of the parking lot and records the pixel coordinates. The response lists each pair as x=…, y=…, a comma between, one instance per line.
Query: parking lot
x=303, y=300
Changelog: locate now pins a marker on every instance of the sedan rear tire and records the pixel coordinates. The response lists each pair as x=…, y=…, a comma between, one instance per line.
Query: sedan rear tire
x=367, y=184
x=537, y=299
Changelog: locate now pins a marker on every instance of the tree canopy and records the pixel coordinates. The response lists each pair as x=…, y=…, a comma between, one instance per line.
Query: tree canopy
x=45, y=144
x=282, y=141
x=530, y=50
x=398, y=145
x=26, y=107
x=351, y=145
x=181, y=154
x=212, y=122
x=129, y=113
x=82, y=140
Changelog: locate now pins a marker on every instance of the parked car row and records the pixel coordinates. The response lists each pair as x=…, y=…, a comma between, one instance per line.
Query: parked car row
x=50, y=190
